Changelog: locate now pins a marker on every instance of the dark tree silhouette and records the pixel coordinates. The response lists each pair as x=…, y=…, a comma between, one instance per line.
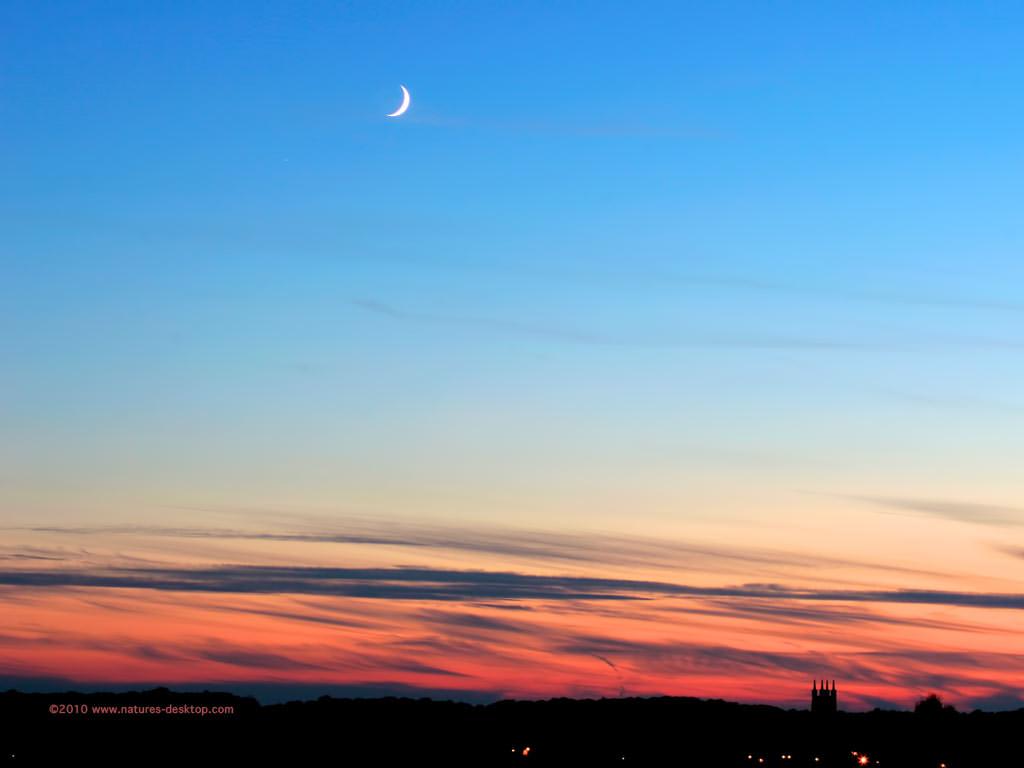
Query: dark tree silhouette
x=931, y=706
x=558, y=732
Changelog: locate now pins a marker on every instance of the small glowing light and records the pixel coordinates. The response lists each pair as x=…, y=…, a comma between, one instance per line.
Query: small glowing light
x=863, y=760
x=526, y=751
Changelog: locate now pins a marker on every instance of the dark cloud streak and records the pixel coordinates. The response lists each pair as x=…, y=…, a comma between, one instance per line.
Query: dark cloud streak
x=408, y=583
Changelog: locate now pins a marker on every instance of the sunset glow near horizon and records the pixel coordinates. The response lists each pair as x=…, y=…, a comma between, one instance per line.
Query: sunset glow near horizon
x=665, y=351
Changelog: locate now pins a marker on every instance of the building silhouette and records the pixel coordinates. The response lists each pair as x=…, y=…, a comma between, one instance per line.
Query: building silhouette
x=823, y=699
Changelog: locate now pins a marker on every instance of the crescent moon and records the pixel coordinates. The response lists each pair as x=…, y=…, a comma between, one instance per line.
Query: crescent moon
x=405, y=103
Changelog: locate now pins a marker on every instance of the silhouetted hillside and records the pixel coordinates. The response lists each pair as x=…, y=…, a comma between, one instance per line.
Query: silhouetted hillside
x=562, y=732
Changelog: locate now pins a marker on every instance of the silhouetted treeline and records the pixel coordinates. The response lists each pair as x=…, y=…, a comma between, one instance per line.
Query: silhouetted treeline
x=557, y=732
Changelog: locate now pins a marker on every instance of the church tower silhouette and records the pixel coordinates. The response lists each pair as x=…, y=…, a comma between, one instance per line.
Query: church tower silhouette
x=823, y=700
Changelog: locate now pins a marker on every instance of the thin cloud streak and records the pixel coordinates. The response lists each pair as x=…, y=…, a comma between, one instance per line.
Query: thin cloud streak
x=641, y=277
x=783, y=613
x=692, y=340
x=596, y=128
x=651, y=341
x=966, y=512
x=563, y=547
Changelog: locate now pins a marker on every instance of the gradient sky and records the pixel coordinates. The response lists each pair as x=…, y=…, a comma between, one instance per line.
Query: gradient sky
x=659, y=348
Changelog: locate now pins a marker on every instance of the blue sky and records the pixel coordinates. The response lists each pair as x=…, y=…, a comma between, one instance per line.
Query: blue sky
x=622, y=206
x=757, y=215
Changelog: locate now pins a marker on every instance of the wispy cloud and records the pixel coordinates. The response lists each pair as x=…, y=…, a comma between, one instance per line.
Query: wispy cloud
x=906, y=669
x=810, y=614
x=596, y=128
x=683, y=339
x=967, y=512
x=651, y=340
x=567, y=547
x=640, y=275
x=922, y=299
x=262, y=660
x=456, y=620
